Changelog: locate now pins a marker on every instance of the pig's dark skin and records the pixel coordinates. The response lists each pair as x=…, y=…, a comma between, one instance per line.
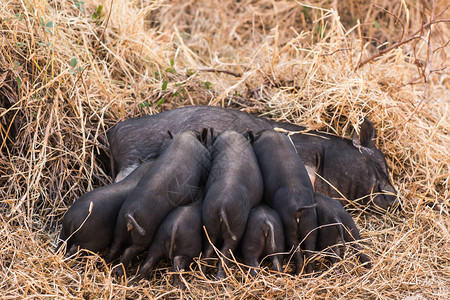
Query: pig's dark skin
x=355, y=167
x=288, y=190
x=178, y=238
x=264, y=236
x=175, y=179
x=330, y=211
x=97, y=231
x=234, y=186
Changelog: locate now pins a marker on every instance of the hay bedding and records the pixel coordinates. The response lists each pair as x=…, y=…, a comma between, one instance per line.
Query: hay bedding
x=70, y=69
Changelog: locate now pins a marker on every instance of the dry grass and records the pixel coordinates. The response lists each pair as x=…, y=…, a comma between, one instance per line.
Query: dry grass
x=293, y=62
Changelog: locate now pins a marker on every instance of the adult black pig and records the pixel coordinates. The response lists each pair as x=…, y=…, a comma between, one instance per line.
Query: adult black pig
x=264, y=236
x=175, y=179
x=335, y=222
x=89, y=223
x=234, y=186
x=288, y=190
x=178, y=238
x=355, y=167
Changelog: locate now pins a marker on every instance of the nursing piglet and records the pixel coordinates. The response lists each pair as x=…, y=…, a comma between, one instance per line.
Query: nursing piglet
x=234, y=186
x=89, y=223
x=263, y=236
x=175, y=179
x=178, y=238
x=288, y=190
x=335, y=222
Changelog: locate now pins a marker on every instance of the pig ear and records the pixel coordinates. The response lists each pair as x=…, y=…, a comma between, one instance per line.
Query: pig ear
x=249, y=135
x=204, y=136
x=170, y=134
x=366, y=136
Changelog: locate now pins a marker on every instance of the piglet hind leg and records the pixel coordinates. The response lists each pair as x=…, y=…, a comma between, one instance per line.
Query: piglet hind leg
x=207, y=255
x=309, y=236
x=127, y=256
x=353, y=236
x=252, y=262
x=228, y=246
x=114, y=251
x=363, y=258
x=149, y=264
x=297, y=256
x=277, y=264
x=180, y=263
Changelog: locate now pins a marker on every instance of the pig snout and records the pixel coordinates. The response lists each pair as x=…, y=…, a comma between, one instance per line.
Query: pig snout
x=387, y=198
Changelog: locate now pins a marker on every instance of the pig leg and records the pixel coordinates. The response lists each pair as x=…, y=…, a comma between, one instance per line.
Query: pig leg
x=252, y=252
x=353, y=236
x=127, y=256
x=327, y=240
x=179, y=264
x=335, y=254
x=114, y=251
x=252, y=249
x=208, y=249
x=73, y=249
x=308, y=235
x=363, y=258
x=277, y=263
x=154, y=256
x=252, y=262
x=228, y=245
x=292, y=243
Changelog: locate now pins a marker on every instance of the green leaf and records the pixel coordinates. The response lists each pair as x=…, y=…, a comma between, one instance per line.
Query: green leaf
x=171, y=70
x=50, y=24
x=208, y=85
x=172, y=62
x=164, y=85
x=73, y=62
x=19, y=82
x=98, y=13
x=160, y=102
x=144, y=104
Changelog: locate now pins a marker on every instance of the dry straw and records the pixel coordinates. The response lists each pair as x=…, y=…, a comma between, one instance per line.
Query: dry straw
x=71, y=69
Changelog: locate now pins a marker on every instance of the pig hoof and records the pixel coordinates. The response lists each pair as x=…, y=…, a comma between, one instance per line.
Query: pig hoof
x=178, y=284
x=367, y=265
x=253, y=272
x=118, y=271
x=219, y=276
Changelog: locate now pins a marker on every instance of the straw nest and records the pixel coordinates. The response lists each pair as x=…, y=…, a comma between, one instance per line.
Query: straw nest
x=71, y=69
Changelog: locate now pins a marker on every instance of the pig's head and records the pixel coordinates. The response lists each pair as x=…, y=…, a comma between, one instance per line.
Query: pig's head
x=384, y=194
x=359, y=171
